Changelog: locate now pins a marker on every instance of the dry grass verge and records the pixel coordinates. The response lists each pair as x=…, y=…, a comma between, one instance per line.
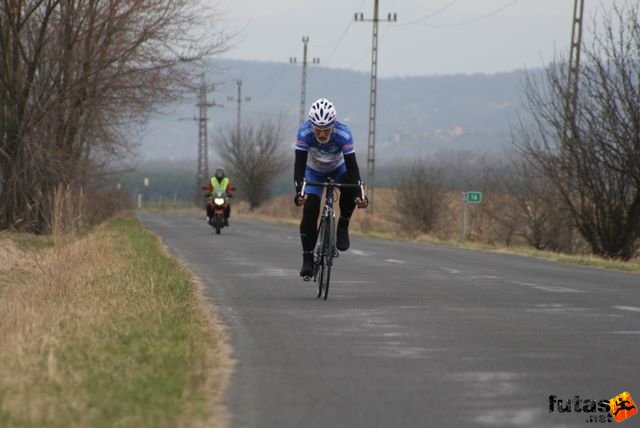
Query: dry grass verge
x=107, y=330
x=383, y=224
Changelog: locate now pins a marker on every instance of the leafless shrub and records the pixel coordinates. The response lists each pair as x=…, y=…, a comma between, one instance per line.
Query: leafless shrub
x=67, y=213
x=525, y=205
x=419, y=196
x=103, y=204
x=75, y=208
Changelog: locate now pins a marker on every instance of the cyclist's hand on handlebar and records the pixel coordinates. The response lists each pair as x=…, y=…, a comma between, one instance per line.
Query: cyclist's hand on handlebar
x=362, y=203
x=299, y=200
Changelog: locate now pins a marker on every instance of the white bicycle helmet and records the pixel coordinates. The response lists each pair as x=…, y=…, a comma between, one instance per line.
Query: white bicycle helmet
x=322, y=112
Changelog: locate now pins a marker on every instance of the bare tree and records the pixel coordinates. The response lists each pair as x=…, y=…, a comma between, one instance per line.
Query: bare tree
x=73, y=74
x=593, y=162
x=255, y=158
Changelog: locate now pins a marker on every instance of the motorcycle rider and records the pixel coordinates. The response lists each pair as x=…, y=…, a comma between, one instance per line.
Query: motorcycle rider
x=220, y=183
x=324, y=148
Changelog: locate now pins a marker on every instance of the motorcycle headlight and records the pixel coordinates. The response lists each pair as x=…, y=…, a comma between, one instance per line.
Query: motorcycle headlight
x=218, y=201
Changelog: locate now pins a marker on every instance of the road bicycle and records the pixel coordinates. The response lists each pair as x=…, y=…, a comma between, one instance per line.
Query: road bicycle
x=325, y=249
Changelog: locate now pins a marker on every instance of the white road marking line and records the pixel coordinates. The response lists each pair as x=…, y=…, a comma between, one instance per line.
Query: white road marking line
x=349, y=282
x=627, y=308
x=360, y=252
x=395, y=261
x=554, y=289
x=531, y=284
x=270, y=272
x=549, y=288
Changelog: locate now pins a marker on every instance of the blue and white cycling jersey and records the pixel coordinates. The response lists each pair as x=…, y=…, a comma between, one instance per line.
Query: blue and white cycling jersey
x=324, y=158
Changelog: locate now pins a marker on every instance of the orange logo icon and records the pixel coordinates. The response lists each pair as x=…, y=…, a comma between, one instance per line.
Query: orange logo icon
x=622, y=407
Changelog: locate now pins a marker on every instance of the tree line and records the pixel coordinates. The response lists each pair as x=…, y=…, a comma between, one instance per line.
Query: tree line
x=76, y=78
x=572, y=171
x=571, y=183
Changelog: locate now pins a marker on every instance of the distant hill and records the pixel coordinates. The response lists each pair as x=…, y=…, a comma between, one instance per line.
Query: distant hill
x=416, y=116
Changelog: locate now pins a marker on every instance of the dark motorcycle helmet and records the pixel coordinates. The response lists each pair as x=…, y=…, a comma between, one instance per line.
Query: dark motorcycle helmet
x=219, y=173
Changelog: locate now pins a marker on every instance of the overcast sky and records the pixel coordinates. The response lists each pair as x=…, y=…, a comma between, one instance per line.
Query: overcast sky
x=429, y=37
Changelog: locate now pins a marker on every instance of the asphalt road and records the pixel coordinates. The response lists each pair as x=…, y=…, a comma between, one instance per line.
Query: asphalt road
x=411, y=335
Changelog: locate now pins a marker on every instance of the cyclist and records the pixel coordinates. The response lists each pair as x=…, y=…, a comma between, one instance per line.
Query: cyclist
x=220, y=183
x=324, y=148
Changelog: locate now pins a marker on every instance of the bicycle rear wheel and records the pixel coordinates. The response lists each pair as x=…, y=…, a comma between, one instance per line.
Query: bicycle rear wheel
x=318, y=255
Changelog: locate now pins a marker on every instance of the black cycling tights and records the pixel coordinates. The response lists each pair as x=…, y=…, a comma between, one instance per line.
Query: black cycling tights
x=311, y=211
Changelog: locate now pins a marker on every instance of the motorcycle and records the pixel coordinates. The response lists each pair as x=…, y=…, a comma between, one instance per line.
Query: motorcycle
x=218, y=203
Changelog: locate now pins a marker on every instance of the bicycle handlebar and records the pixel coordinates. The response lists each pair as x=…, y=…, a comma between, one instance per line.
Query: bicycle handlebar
x=332, y=184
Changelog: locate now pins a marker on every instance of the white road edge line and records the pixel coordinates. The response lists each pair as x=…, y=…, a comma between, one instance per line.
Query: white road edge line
x=627, y=308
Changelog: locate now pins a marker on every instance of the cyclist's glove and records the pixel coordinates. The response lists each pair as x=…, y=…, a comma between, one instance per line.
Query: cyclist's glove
x=362, y=202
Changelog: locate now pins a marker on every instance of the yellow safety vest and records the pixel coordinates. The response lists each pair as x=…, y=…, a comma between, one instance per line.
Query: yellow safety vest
x=219, y=186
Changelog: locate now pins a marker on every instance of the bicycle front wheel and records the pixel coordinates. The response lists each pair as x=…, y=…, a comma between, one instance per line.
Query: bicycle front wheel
x=330, y=249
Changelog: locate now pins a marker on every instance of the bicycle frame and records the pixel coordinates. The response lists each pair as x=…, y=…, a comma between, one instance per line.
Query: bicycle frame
x=325, y=248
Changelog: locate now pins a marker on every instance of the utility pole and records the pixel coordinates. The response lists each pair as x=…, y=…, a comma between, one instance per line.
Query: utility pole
x=303, y=91
x=573, y=73
x=371, y=150
x=574, y=66
x=239, y=100
x=203, y=155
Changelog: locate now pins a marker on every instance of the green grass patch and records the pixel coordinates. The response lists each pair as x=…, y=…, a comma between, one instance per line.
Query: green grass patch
x=122, y=340
x=28, y=241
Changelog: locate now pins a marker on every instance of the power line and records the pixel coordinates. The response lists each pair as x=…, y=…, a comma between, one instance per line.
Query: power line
x=339, y=38
x=277, y=75
x=366, y=55
x=342, y=35
x=437, y=12
x=471, y=21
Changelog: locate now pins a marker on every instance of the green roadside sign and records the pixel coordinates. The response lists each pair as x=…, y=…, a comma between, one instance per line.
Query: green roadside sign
x=473, y=197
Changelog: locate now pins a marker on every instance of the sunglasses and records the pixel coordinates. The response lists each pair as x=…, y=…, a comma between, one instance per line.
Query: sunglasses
x=322, y=130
